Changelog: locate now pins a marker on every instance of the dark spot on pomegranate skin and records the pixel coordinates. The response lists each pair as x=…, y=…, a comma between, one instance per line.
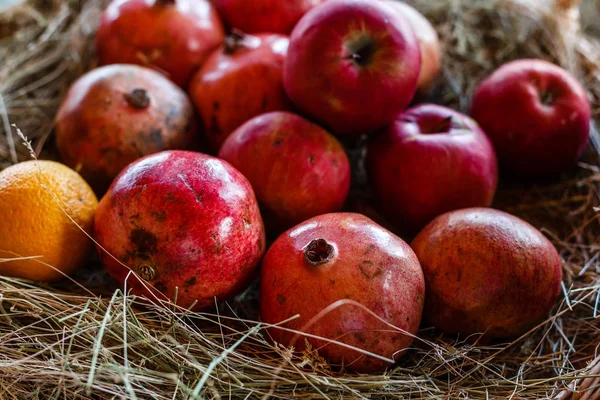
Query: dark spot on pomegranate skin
x=161, y=287
x=156, y=135
x=277, y=143
x=281, y=299
x=332, y=282
x=369, y=249
x=159, y=216
x=360, y=337
x=143, y=242
x=190, y=282
x=311, y=159
x=368, y=270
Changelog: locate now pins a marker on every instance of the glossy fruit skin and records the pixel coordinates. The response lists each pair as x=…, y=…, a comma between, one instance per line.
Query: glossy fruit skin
x=429, y=44
x=370, y=266
x=181, y=220
x=174, y=37
x=487, y=271
x=239, y=81
x=100, y=129
x=537, y=140
x=416, y=175
x=352, y=65
x=297, y=169
x=258, y=16
x=34, y=225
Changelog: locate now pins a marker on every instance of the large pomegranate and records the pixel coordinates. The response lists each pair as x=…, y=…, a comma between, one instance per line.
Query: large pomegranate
x=115, y=114
x=297, y=169
x=322, y=268
x=239, y=81
x=254, y=16
x=487, y=272
x=186, y=223
x=172, y=36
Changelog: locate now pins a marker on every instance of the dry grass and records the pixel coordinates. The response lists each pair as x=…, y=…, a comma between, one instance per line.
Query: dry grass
x=86, y=340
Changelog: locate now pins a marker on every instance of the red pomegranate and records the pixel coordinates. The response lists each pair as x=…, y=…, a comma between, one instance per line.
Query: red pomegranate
x=115, y=114
x=330, y=270
x=297, y=169
x=172, y=36
x=186, y=223
x=239, y=81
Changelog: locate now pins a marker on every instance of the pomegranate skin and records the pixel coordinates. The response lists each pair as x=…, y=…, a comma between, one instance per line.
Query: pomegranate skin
x=487, y=272
x=115, y=114
x=336, y=257
x=186, y=223
x=297, y=169
x=255, y=16
x=240, y=80
x=174, y=37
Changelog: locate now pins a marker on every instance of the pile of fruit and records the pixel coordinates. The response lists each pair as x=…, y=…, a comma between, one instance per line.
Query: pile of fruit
x=206, y=136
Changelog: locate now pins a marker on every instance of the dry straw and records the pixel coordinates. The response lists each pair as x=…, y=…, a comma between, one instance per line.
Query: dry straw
x=86, y=340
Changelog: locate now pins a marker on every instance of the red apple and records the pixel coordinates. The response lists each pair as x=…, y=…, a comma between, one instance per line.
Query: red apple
x=172, y=36
x=537, y=115
x=431, y=160
x=297, y=169
x=429, y=44
x=256, y=16
x=353, y=65
x=487, y=272
x=239, y=81
x=323, y=270
x=186, y=223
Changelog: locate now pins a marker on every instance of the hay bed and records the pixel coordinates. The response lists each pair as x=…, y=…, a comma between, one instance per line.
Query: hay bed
x=86, y=340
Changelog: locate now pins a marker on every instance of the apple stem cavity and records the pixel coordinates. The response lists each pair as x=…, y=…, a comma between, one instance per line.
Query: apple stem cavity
x=546, y=98
x=362, y=50
x=138, y=98
x=318, y=252
x=233, y=41
x=164, y=2
x=146, y=271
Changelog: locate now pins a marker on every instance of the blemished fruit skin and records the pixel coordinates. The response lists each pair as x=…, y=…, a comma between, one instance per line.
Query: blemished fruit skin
x=297, y=169
x=352, y=65
x=429, y=161
x=172, y=36
x=429, y=44
x=36, y=200
x=115, y=114
x=336, y=257
x=188, y=224
x=258, y=16
x=240, y=80
x=487, y=272
x=537, y=115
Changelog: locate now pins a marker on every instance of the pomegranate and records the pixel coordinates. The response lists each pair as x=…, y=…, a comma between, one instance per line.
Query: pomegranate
x=254, y=16
x=115, y=114
x=330, y=270
x=186, y=223
x=487, y=272
x=297, y=169
x=239, y=81
x=172, y=36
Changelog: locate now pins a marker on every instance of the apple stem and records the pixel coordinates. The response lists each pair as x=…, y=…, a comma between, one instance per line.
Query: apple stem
x=546, y=98
x=444, y=125
x=138, y=98
x=233, y=41
x=318, y=251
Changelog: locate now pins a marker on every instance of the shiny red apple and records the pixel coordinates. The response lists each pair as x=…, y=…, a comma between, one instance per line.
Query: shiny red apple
x=429, y=161
x=352, y=65
x=537, y=115
x=259, y=16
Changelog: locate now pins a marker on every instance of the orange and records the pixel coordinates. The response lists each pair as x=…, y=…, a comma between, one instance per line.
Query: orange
x=38, y=241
